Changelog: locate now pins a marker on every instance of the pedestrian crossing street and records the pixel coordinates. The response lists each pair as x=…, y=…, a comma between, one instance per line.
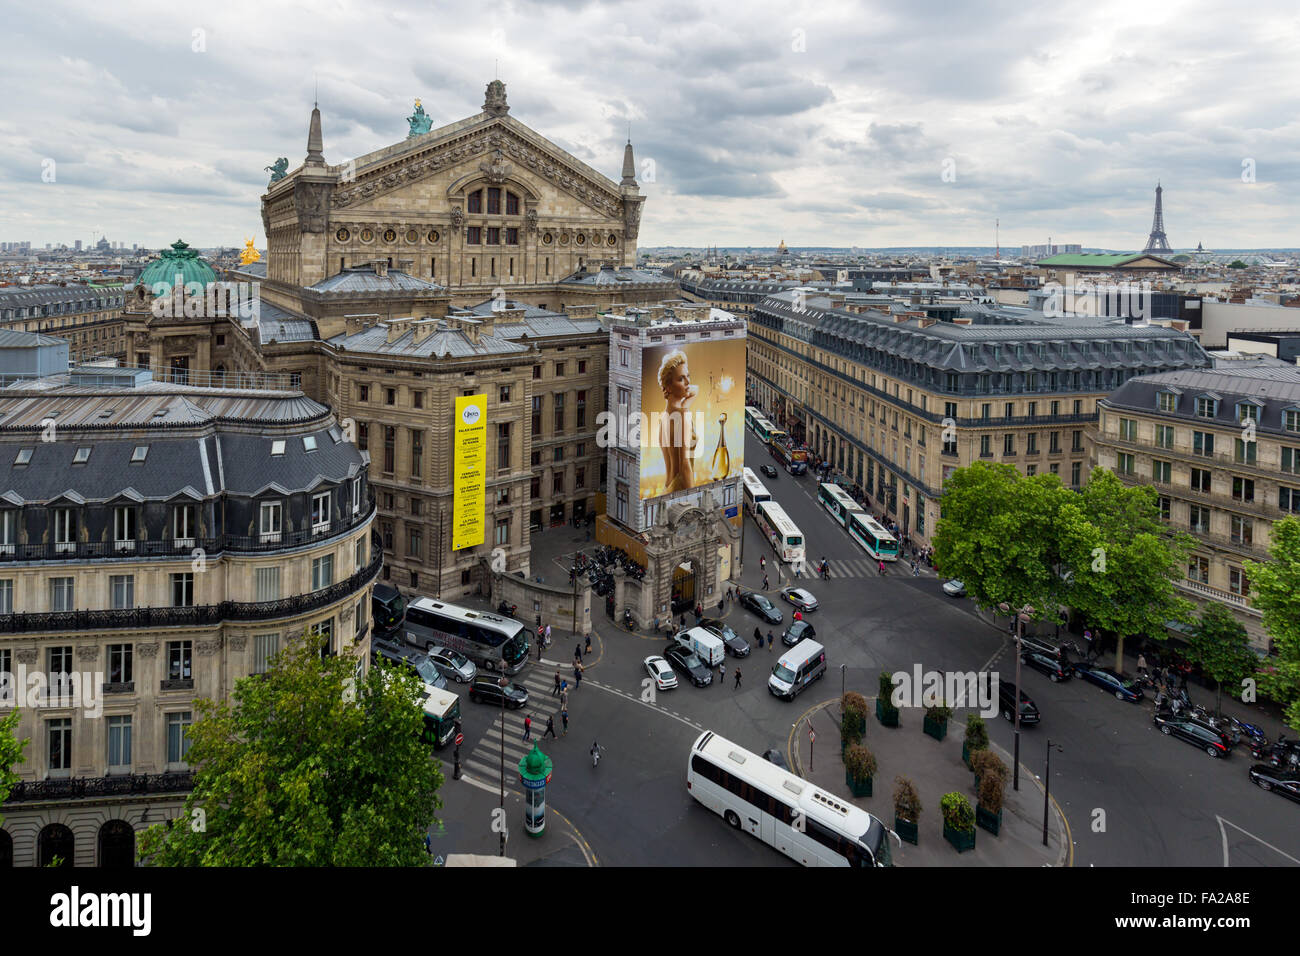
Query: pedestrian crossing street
x=484, y=760
x=850, y=568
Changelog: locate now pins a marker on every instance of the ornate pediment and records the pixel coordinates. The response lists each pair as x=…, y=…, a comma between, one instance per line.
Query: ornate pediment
x=497, y=149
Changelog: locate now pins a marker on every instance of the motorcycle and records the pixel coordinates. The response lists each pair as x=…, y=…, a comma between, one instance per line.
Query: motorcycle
x=507, y=610
x=1252, y=733
x=628, y=622
x=1282, y=753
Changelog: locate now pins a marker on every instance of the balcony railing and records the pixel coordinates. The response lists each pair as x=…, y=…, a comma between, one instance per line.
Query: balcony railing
x=1224, y=597
x=183, y=547
x=125, y=785
x=200, y=616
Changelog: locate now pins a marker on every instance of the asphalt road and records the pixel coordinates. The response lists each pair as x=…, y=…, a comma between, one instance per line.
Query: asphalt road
x=1131, y=795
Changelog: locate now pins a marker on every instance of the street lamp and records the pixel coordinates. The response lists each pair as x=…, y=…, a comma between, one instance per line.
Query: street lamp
x=1047, y=783
x=504, y=682
x=843, y=669
x=1015, y=774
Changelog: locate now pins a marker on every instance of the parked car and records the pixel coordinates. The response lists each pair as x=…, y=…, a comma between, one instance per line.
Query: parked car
x=736, y=645
x=1194, y=731
x=1056, y=669
x=1285, y=782
x=768, y=470
x=486, y=690
x=776, y=757
x=418, y=661
x=387, y=609
x=689, y=665
x=800, y=598
x=662, y=673
x=796, y=632
x=1007, y=698
x=1108, y=680
x=1040, y=645
x=761, y=606
x=954, y=588
x=453, y=664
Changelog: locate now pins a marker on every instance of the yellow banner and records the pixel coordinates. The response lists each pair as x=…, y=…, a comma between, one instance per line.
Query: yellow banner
x=468, y=511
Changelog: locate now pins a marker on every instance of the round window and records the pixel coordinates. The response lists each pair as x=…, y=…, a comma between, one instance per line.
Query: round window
x=547, y=239
x=412, y=235
x=564, y=239
x=367, y=235
x=433, y=235
x=343, y=235
x=581, y=239
x=612, y=240
x=390, y=235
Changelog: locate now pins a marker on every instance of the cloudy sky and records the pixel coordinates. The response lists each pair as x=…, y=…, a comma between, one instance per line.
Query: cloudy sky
x=830, y=123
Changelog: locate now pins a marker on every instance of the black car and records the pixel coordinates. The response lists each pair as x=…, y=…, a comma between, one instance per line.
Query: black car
x=796, y=632
x=761, y=606
x=1109, y=681
x=768, y=470
x=1007, y=697
x=1285, y=782
x=776, y=757
x=1194, y=731
x=736, y=645
x=680, y=659
x=387, y=609
x=1056, y=669
x=486, y=690
x=1038, y=645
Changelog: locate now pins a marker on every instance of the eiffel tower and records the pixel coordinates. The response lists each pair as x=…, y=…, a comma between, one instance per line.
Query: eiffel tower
x=1157, y=241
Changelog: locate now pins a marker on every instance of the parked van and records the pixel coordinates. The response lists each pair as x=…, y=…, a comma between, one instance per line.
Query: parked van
x=705, y=644
x=797, y=668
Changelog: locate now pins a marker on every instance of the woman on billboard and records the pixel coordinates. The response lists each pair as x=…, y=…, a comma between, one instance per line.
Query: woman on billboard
x=677, y=437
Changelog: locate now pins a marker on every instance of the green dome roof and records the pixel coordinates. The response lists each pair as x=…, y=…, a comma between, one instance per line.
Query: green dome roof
x=180, y=258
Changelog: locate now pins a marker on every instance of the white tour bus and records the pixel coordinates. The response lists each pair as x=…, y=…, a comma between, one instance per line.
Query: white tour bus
x=838, y=502
x=484, y=638
x=780, y=531
x=755, y=491
x=872, y=536
x=786, y=812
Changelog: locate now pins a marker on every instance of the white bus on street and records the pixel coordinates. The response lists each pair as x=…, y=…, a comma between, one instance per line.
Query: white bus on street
x=872, y=536
x=782, y=533
x=838, y=502
x=786, y=812
x=485, y=638
x=755, y=491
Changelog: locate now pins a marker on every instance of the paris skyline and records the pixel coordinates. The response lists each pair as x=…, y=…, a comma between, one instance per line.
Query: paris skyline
x=835, y=125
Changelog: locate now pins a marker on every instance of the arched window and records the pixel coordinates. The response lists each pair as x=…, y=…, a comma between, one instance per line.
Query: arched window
x=512, y=204
x=116, y=845
x=55, y=842
x=475, y=202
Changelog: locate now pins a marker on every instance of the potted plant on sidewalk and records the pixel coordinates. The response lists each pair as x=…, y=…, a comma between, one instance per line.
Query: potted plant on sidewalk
x=853, y=720
x=936, y=720
x=859, y=768
x=907, y=810
x=988, y=807
x=886, y=712
x=958, y=821
x=977, y=737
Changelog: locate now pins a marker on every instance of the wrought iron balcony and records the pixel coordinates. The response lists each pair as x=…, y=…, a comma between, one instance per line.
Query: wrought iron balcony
x=125, y=785
x=208, y=615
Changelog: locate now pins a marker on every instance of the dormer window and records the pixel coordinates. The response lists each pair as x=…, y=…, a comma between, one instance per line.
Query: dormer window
x=1247, y=411
x=309, y=443
x=81, y=456
x=1167, y=401
x=1290, y=420
x=140, y=453
x=1206, y=407
x=24, y=456
x=277, y=447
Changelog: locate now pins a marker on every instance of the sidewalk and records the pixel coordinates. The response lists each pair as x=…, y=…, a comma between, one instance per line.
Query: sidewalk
x=935, y=768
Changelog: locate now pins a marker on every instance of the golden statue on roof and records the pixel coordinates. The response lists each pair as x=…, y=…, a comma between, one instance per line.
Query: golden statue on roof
x=249, y=255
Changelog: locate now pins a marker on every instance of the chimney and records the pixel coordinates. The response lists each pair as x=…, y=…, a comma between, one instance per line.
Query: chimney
x=397, y=328
x=424, y=328
x=380, y=266
x=406, y=265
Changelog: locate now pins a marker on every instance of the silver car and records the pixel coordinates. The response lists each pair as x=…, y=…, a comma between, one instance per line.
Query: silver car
x=453, y=664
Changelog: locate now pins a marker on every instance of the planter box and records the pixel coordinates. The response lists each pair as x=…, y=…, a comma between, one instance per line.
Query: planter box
x=887, y=718
x=967, y=753
x=962, y=840
x=989, y=821
x=907, y=830
x=938, y=729
x=862, y=789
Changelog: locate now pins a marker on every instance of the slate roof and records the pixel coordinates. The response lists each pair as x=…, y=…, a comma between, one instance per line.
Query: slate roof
x=27, y=297
x=364, y=279
x=616, y=277
x=536, y=323
x=444, y=343
x=201, y=445
x=275, y=324
x=1275, y=388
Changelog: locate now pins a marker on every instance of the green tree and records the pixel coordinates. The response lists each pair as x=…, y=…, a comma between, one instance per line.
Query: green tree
x=1275, y=587
x=11, y=753
x=1000, y=534
x=306, y=767
x=1221, y=646
x=1124, y=560
x=1236, y=264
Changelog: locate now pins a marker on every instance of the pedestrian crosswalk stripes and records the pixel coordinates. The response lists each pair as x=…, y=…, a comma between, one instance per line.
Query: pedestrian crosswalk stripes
x=539, y=680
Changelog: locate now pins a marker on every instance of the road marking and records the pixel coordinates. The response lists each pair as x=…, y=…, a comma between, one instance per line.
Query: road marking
x=1249, y=834
x=576, y=836
x=657, y=710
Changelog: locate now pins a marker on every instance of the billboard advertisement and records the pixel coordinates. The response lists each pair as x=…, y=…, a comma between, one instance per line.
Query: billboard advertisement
x=692, y=415
x=469, y=477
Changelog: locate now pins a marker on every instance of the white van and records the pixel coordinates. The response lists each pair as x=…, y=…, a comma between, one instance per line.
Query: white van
x=797, y=668
x=705, y=644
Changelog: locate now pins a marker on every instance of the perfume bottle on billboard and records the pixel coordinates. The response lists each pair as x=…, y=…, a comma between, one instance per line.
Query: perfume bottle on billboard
x=721, y=457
